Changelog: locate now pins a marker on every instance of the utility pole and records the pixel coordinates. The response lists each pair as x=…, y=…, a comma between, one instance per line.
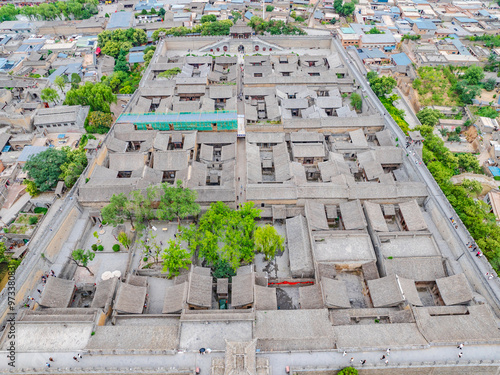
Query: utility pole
x=263, y=11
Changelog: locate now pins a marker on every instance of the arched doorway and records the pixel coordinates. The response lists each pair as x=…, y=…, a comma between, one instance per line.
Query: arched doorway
x=241, y=48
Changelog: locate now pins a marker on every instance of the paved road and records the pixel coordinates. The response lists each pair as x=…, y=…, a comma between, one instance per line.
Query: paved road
x=481, y=264
x=278, y=361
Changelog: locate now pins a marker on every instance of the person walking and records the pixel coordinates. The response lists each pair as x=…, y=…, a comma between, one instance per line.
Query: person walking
x=461, y=346
x=460, y=355
x=388, y=351
x=51, y=359
x=80, y=356
x=76, y=359
x=343, y=355
x=363, y=361
x=47, y=364
x=352, y=360
x=383, y=357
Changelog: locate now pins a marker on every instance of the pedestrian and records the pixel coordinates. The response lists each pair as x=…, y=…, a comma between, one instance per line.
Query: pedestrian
x=51, y=359
x=343, y=355
x=76, y=359
x=39, y=291
x=461, y=346
x=202, y=350
x=363, y=361
x=383, y=357
x=456, y=226
x=47, y=364
x=386, y=361
x=80, y=356
x=490, y=277
x=388, y=351
x=460, y=355
x=487, y=274
x=352, y=360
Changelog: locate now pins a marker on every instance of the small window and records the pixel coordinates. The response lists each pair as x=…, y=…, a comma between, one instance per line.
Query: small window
x=257, y=75
x=286, y=74
x=314, y=74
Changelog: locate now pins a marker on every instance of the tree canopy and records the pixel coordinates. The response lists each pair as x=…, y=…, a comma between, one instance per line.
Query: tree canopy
x=268, y=241
x=429, y=116
x=96, y=95
x=48, y=94
x=475, y=214
x=82, y=258
x=382, y=85
x=175, y=258
x=273, y=27
x=356, y=101
x=232, y=229
x=116, y=41
x=176, y=202
x=45, y=168
x=473, y=75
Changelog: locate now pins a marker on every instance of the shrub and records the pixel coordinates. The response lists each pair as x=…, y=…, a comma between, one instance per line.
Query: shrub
x=145, y=259
x=116, y=247
x=33, y=220
x=100, y=248
x=94, y=247
x=40, y=210
x=496, y=178
x=348, y=371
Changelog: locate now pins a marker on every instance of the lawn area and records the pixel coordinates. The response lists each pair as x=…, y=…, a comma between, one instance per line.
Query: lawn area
x=434, y=86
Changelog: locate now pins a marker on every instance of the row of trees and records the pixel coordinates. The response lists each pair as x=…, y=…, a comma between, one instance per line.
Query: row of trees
x=475, y=214
x=96, y=95
x=72, y=9
x=346, y=9
x=48, y=167
x=206, y=28
x=112, y=42
x=273, y=27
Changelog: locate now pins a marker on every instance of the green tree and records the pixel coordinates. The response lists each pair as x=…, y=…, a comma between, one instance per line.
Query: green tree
x=221, y=225
x=82, y=258
x=348, y=9
x=45, y=168
x=356, y=101
x=374, y=30
x=48, y=94
x=337, y=5
x=487, y=112
x=176, y=202
x=469, y=163
x=75, y=80
x=125, y=240
x=175, y=258
x=269, y=8
x=472, y=187
x=121, y=64
x=75, y=164
x=466, y=92
x=208, y=18
x=162, y=12
x=99, y=120
x=148, y=56
x=429, y=116
x=31, y=188
x=348, y=371
x=60, y=82
x=268, y=241
x=142, y=205
x=490, y=84
x=382, y=86
x=473, y=75
x=3, y=257
x=150, y=247
x=118, y=210
x=96, y=95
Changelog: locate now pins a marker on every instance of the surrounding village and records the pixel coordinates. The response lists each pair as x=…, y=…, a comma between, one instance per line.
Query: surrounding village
x=301, y=187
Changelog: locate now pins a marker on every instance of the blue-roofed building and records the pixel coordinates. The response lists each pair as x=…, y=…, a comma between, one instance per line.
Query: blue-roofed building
x=347, y=30
x=120, y=20
x=136, y=57
x=29, y=151
x=422, y=27
x=248, y=15
x=462, y=50
x=62, y=55
x=372, y=56
x=148, y=5
x=318, y=15
x=484, y=13
x=401, y=59
x=495, y=171
x=465, y=20
x=66, y=70
x=137, y=49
